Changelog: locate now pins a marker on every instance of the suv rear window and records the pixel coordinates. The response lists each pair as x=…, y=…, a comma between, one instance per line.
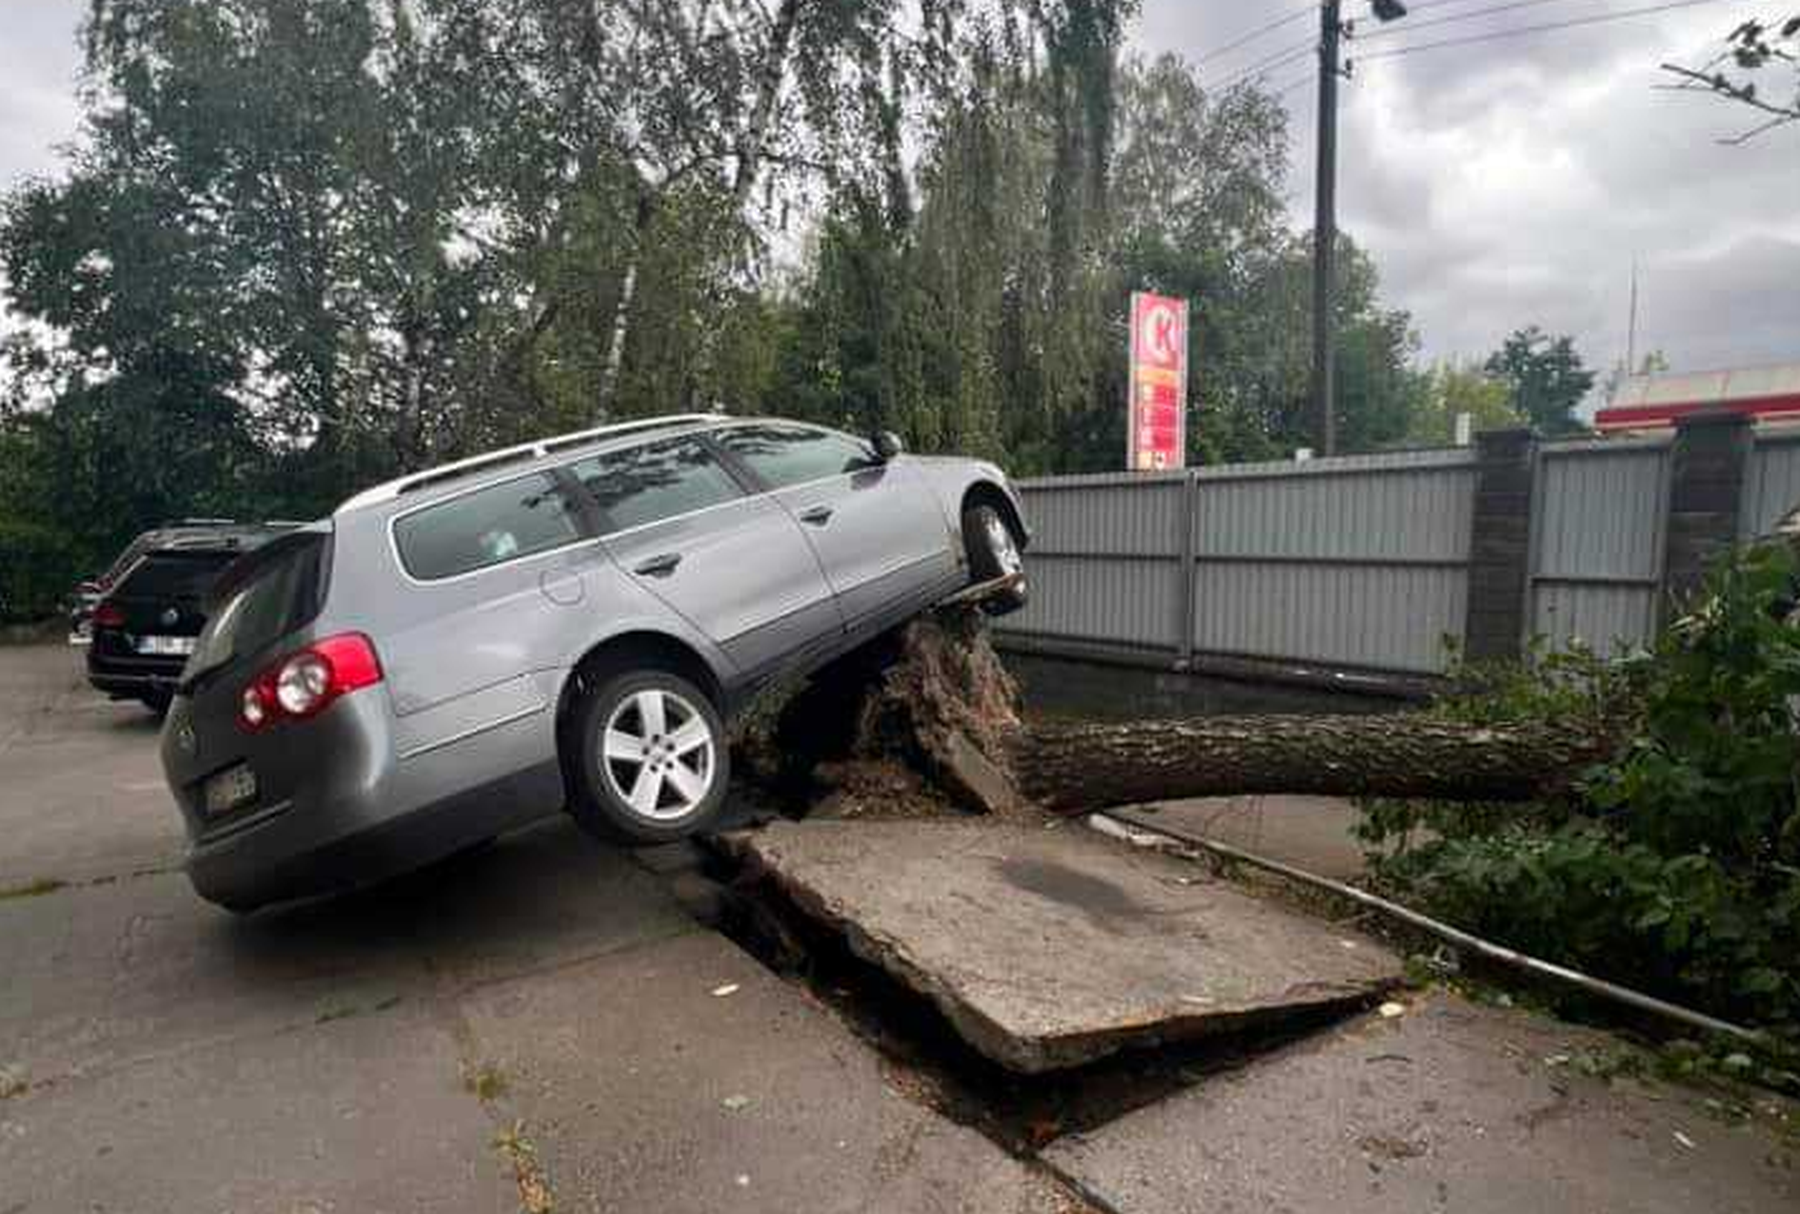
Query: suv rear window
x=499, y=523
x=174, y=575
x=282, y=591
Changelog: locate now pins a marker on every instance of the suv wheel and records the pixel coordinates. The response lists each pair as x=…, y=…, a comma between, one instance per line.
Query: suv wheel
x=653, y=758
x=993, y=552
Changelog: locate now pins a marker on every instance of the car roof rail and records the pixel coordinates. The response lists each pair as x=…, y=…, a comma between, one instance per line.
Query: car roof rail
x=520, y=453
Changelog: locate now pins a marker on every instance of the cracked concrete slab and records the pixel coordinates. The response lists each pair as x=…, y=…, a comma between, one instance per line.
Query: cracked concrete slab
x=1450, y=1106
x=686, y=1077
x=1048, y=948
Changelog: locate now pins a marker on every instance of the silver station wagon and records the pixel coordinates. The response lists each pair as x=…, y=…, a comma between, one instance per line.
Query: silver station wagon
x=565, y=623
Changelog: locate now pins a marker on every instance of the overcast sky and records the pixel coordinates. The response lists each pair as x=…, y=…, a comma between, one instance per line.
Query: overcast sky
x=1499, y=184
x=1512, y=181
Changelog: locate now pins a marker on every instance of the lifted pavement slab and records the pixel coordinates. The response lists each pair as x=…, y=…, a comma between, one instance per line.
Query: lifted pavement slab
x=1051, y=947
x=686, y=1077
x=1450, y=1106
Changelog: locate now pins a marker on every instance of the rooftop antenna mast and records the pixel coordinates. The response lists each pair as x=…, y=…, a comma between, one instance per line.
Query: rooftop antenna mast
x=1631, y=325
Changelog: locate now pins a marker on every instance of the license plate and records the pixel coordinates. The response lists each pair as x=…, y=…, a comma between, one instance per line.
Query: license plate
x=173, y=646
x=229, y=789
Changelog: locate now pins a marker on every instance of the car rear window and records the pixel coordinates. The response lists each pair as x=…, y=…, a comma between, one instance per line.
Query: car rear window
x=174, y=575
x=270, y=594
x=499, y=523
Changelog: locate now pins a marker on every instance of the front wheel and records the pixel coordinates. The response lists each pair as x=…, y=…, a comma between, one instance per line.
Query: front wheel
x=993, y=553
x=653, y=759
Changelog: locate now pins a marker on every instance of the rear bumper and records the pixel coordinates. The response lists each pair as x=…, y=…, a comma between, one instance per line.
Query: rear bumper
x=119, y=677
x=260, y=866
x=345, y=810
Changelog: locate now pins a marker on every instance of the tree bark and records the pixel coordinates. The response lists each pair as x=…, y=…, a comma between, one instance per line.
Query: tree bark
x=1079, y=767
x=935, y=699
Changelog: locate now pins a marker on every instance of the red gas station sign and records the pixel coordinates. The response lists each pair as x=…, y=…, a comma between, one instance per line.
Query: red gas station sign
x=1156, y=434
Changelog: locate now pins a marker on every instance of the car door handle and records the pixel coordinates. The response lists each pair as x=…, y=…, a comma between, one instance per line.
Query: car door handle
x=816, y=516
x=658, y=566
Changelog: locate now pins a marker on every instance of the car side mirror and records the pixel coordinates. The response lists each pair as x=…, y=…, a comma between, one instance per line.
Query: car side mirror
x=887, y=445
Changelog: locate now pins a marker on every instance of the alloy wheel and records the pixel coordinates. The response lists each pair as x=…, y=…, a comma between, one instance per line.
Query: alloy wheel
x=658, y=754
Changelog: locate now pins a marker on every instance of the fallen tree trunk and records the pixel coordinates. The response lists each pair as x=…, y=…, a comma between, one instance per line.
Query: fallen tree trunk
x=1075, y=767
x=935, y=698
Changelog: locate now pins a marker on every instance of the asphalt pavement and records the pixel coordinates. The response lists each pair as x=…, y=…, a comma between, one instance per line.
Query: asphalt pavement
x=538, y=1026
x=543, y=1026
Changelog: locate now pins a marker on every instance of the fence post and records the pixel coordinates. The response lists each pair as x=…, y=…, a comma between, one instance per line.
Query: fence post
x=1184, y=593
x=1706, y=483
x=1500, y=545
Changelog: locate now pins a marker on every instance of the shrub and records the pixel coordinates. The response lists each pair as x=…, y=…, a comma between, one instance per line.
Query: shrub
x=1675, y=866
x=35, y=572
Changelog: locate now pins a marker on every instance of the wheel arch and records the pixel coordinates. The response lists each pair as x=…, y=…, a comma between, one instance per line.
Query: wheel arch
x=987, y=493
x=635, y=649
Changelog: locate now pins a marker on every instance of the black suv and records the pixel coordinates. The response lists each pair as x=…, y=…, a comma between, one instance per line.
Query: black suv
x=153, y=604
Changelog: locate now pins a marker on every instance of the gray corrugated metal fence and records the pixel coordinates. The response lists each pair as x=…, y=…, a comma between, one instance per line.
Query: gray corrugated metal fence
x=1597, y=543
x=1358, y=562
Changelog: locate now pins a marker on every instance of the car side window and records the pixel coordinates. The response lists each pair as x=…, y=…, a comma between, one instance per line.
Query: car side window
x=512, y=519
x=653, y=482
x=793, y=455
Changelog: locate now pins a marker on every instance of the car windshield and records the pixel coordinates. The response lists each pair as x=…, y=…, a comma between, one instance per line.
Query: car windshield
x=283, y=590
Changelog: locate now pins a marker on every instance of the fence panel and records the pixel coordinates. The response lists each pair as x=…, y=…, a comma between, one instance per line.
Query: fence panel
x=1597, y=554
x=1105, y=560
x=1358, y=562
x=1771, y=484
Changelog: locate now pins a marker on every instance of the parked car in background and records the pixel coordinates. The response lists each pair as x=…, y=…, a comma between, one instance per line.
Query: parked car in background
x=569, y=622
x=148, y=607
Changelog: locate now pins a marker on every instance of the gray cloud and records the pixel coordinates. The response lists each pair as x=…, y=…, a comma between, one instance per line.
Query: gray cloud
x=38, y=61
x=1514, y=181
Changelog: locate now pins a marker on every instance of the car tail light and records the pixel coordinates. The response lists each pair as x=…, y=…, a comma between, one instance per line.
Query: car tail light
x=109, y=615
x=304, y=683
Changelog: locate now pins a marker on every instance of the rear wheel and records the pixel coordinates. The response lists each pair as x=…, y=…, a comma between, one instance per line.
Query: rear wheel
x=653, y=759
x=994, y=552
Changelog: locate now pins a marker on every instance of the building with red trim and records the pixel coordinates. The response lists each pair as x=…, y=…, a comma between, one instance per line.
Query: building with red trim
x=1653, y=402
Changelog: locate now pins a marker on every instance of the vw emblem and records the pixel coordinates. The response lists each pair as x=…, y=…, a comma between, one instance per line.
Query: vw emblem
x=184, y=738
x=171, y=615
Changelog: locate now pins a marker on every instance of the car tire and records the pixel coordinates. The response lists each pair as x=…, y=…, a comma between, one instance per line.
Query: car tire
x=651, y=759
x=993, y=552
x=158, y=702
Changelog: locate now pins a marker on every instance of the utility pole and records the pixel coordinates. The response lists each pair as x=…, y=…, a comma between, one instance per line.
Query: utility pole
x=1331, y=31
x=1325, y=231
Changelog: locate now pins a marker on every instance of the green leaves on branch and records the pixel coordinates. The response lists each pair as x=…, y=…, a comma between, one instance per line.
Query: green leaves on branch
x=1676, y=866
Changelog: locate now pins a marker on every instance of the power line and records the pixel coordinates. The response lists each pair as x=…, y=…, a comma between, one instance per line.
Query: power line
x=1304, y=11
x=1522, y=30
x=1264, y=66
x=1290, y=86
x=1407, y=27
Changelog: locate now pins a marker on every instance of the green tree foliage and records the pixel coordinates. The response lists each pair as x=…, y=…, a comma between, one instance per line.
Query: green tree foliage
x=1546, y=379
x=1676, y=866
x=300, y=248
x=1451, y=389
